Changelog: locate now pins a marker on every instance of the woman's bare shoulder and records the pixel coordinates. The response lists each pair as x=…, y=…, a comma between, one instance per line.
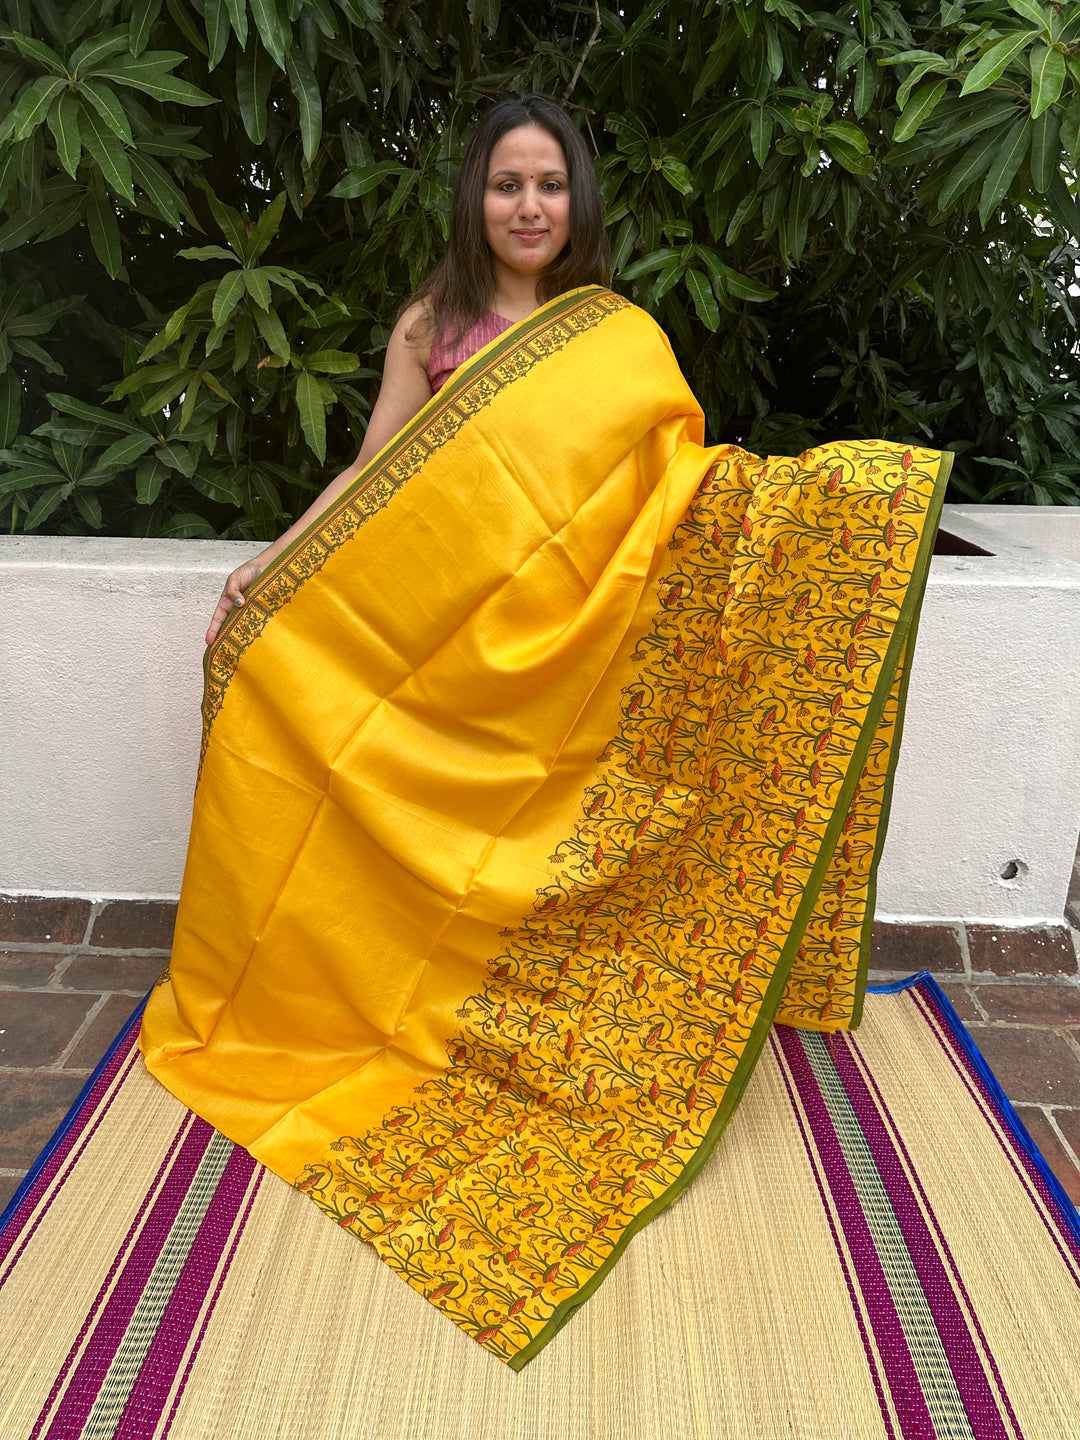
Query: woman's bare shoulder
x=414, y=329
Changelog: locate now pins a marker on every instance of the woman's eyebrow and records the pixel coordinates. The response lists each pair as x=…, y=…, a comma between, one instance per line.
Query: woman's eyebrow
x=514, y=173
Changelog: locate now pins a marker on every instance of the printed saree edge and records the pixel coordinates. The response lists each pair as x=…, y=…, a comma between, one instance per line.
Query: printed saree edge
x=774, y=991
x=61, y=1132
x=465, y=373
x=920, y=575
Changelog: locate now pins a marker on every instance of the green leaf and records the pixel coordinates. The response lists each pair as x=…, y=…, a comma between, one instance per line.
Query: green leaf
x=35, y=50
x=357, y=182
x=34, y=105
x=677, y=174
x=18, y=230
x=92, y=414
x=331, y=362
x=104, y=231
x=29, y=477
x=209, y=252
x=1045, y=150
x=920, y=107
x=254, y=69
x=149, y=478
x=108, y=107
x=273, y=332
x=743, y=288
x=312, y=408
x=1010, y=156
x=402, y=191
x=239, y=17
x=1047, y=79
x=10, y=406
x=994, y=62
x=939, y=66
x=187, y=526
x=866, y=87
x=266, y=228
x=854, y=161
x=272, y=32
x=124, y=450
x=1070, y=130
x=144, y=16
x=230, y=220
x=305, y=88
x=89, y=507
x=109, y=153
x=84, y=57
x=217, y=20
x=848, y=134
x=218, y=485
x=169, y=201
x=257, y=286
x=46, y=504
x=227, y=296
x=761, y=131
x=975, y=159
x=1032, y=11
x=64, y=124
x=149, y=73
x=708, y=311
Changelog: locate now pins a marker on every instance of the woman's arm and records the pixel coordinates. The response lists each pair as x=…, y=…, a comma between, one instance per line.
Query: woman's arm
x=405, y=389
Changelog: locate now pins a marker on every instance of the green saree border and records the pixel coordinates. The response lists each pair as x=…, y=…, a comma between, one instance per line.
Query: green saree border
x=508, y=358
x=916, y=589
x=905, y=625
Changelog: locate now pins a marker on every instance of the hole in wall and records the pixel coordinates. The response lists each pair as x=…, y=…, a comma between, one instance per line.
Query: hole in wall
x=1012, y=874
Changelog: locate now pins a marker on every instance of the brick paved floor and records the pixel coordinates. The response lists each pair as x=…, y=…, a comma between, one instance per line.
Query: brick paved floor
x=71, y=972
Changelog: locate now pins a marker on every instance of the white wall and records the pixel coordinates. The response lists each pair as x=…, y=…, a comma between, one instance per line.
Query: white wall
x=100, y=684
x=100, y=680
x=1054, y=528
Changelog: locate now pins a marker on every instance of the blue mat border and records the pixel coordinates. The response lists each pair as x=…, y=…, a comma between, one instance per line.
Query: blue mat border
x=1069, y=1214
x=72, y=1115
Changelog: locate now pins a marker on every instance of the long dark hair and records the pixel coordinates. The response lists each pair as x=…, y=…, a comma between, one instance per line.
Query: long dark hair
x=460, y=288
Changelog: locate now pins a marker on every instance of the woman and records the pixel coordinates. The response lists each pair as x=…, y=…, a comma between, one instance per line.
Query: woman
x=510, y=248
x=544, y=765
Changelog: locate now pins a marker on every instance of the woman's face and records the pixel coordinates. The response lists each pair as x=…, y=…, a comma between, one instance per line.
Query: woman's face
x=527, y=201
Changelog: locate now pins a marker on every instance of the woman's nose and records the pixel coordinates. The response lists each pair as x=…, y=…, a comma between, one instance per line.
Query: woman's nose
x=529, y=200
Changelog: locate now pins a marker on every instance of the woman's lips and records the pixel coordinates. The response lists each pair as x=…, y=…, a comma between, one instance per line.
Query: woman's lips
x=529, y=234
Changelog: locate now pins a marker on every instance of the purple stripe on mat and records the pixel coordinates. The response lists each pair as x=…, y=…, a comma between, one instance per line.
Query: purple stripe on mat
x=907, y=1396
x=180, y=1316
x=964, y=1359
x=958, y=1279
x=210, y=1308
x=1025, y=1169
x=107, y=1329
x=868, y=1349
x=77, y=1129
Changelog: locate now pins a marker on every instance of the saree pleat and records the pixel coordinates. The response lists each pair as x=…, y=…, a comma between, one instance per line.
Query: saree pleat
x=540, y=776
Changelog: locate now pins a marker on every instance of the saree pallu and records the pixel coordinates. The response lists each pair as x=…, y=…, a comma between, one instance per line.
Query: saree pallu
x=543, y=773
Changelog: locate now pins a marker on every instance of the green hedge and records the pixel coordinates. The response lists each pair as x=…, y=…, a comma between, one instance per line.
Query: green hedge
x=856, y=221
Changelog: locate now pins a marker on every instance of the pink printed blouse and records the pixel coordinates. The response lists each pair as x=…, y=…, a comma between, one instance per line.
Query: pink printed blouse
x=444, y=359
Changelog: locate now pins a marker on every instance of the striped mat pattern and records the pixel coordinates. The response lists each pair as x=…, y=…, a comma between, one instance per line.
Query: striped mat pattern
x=875, y=1250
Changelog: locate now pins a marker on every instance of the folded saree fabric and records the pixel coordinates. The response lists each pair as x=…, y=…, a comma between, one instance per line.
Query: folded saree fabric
x=540, y=776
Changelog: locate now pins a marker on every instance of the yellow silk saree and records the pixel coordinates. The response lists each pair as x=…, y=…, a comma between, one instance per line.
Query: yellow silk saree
x=540, y=776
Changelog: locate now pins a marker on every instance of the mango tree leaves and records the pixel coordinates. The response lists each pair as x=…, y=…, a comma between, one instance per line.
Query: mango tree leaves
x=859, y=220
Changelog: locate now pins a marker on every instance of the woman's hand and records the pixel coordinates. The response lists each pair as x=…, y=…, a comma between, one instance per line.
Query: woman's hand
x=233, y=593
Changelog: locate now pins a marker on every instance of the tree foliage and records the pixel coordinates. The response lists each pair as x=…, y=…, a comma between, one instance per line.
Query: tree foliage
x=857, y=221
